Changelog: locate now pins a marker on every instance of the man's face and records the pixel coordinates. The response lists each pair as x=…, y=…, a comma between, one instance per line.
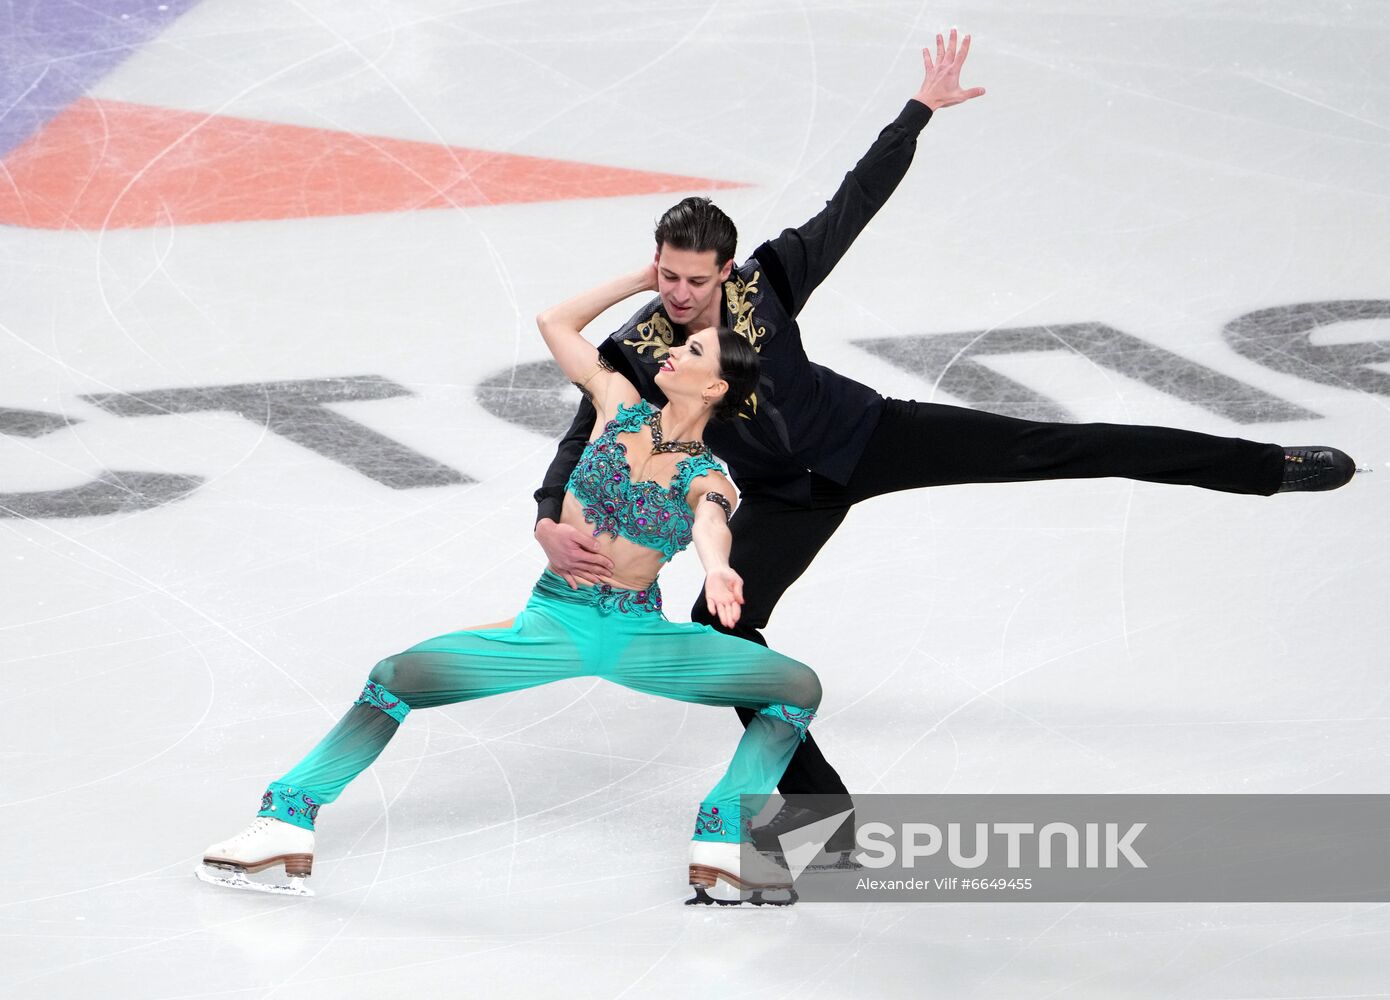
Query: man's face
x=688, y=281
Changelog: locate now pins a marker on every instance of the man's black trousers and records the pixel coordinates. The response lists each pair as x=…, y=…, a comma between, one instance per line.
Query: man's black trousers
x=930, y=444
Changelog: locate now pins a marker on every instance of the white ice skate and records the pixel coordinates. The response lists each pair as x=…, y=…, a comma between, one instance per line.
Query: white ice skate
x=264, y=844
x=724, y=873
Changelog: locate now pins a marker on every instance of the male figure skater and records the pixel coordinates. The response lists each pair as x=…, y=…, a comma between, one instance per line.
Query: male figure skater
x=811, y=443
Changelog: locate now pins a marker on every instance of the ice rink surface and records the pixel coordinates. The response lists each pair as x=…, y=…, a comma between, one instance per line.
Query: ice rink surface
x=272, y=411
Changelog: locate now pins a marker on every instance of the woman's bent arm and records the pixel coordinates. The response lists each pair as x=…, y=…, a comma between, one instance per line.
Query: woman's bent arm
x=562, y=327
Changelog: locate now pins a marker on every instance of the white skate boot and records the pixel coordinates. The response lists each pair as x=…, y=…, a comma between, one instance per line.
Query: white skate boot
x=724, y=873
x=264, y=844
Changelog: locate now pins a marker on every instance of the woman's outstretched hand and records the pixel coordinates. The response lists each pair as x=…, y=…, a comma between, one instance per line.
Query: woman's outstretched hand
x=724, y=596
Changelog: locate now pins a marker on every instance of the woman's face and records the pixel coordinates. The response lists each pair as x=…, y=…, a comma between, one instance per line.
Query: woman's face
x=693, y=369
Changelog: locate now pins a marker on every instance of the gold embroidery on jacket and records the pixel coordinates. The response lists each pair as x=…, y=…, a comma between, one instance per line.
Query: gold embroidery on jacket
x=737, y=294
x=656, y=334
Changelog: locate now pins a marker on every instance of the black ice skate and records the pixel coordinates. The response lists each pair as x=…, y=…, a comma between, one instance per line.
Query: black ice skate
x=1316, y=467
x=264, y=844
x=725, y=874
x=839, y=848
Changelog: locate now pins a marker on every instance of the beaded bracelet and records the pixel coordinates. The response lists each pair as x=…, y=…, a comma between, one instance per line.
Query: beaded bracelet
x=723, y=501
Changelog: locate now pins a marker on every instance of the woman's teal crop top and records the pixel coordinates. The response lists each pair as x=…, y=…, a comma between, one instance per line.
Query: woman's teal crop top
x=657, y=517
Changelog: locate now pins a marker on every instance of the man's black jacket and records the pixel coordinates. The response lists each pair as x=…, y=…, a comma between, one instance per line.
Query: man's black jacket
x=804, y=417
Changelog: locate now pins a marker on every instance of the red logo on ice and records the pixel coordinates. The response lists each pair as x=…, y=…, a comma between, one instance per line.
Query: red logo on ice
x=110, y=165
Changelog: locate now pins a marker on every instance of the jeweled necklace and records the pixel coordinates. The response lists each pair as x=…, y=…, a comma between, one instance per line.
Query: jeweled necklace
x=659, y=446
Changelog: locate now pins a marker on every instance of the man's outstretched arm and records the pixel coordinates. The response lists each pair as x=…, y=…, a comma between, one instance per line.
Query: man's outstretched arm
x=798, y=260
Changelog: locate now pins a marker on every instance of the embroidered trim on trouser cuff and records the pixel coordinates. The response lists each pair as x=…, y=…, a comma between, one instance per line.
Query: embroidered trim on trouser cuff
x=378, y=697
x=719, y=822
x=293, y=805
x=798, y=718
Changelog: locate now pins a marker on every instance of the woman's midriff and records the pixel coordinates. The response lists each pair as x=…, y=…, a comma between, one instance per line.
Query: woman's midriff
x=634, y=566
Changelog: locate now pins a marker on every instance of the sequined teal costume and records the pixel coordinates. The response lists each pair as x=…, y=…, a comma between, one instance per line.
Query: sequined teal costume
x=595, y=631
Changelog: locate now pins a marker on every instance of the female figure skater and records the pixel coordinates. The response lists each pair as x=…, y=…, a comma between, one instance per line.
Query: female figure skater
x=645, y=486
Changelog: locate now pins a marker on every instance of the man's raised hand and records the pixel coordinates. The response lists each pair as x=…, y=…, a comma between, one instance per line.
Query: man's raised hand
x=941, y=87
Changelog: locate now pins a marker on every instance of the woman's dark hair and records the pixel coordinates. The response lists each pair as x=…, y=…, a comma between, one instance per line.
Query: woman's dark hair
x=698, y=224
x=738, y=366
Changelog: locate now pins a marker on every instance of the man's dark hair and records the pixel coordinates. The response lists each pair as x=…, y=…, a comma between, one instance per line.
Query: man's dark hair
x=698, y=224
x=738, y=366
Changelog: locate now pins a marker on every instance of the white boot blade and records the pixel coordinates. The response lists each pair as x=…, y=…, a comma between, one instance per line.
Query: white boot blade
x=232, y=878
x=725, y=893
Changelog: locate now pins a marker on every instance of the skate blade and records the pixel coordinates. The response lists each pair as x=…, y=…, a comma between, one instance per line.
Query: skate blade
x=845, y=863
x=231, y=879
x=725, y=895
